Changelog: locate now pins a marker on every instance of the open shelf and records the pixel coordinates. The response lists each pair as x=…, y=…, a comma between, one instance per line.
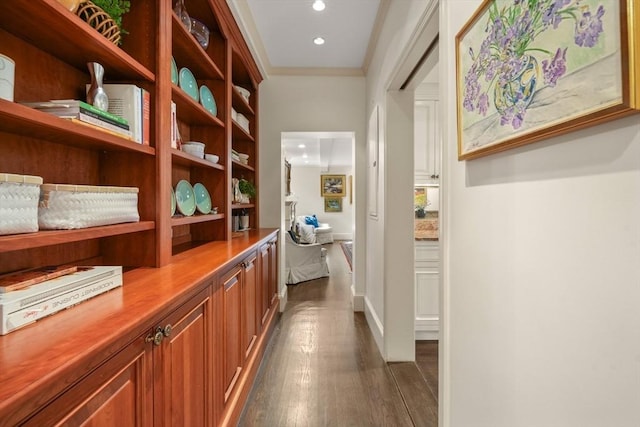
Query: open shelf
x=186, y=159
x=240, y=104
x=17, y=242
x=243, y=206
x=194, y=219
x=237, y=164
x=190, y=111
x=240, y=134
x=188, y=53
x=21, y=120
x=26, y=19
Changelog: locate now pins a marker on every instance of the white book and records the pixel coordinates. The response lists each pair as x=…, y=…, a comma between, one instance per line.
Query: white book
x=125, y=100
x=16, y=300
x=174, y=126
x=28, y=315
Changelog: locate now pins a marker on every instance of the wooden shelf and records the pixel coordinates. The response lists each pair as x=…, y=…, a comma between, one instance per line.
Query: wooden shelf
x=243, y=206
x=21, y=120
x=186, y=159
x=194, y=219
x=240, y=104
x=17, y=242
x=239, y=133
x=26, y=19
x=188, y=53
x=237, y=164
x=190, y=111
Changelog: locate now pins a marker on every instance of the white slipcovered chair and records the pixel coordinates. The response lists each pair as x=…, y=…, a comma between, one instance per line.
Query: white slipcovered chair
x=304, y=262
x=310, y=234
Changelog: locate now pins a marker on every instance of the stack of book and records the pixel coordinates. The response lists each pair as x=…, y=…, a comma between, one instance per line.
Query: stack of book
x=133, y=104
x=31, y=295
x=82, y=113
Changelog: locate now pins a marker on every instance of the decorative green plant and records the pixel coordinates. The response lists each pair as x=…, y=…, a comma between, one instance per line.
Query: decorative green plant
x=115, y=9
x=247, y=188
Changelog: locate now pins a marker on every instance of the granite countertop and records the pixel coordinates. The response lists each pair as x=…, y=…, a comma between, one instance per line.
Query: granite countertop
x=426, y=229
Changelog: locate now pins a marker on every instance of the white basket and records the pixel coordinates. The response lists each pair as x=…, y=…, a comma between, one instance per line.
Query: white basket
x=65, y=207
x=19, y=203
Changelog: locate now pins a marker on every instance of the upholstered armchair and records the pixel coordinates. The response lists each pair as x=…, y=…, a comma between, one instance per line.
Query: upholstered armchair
x=304, y=261
x=320, y=233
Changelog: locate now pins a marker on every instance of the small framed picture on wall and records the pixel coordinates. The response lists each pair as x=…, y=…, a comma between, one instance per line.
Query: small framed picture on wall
x=333, y=204
x=333, y=185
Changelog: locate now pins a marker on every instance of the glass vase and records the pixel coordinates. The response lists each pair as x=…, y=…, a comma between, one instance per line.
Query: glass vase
x=184, y=17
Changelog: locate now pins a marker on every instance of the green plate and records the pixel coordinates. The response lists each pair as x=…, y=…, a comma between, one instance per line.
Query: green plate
x=208, y=101
x=188, y=83
x=174, y=71
x=203, y=200
x=173, y=202
x=185, y=198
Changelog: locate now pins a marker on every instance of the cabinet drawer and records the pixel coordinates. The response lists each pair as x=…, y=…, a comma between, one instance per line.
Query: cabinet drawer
x=427, y=251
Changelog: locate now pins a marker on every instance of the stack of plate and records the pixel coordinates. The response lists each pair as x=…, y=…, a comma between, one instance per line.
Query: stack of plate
x=188, y=199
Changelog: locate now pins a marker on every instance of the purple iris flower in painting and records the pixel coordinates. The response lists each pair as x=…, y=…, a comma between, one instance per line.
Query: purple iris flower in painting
x=589, y=27
x=556, y=68
x=505, y=70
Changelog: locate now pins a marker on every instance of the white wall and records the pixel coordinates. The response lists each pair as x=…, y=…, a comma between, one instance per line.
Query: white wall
x=389, y=299
x=541, y=273
x=309, y=104
x=305, y=185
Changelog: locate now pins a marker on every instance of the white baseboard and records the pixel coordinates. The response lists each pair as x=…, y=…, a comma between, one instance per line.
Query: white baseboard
x=342, y=236
x=283, y=298
x=375, y=325
x=427, y=328
x=357, y=301
x=427, y=335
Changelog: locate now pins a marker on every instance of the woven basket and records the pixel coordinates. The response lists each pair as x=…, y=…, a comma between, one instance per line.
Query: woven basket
x=66, y=207
x=19, y=203
x=100, y=20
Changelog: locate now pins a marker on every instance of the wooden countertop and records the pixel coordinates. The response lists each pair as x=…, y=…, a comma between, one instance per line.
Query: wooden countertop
x=39, y=361
x=426, y=229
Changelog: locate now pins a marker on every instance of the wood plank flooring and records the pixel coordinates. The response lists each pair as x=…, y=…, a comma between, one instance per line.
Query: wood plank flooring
x=322, y=366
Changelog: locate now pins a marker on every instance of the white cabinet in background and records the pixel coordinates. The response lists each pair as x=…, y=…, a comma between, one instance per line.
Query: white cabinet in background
x=426, y=141
x=427, y=298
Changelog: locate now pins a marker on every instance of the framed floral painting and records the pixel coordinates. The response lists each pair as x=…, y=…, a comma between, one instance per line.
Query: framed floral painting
x=533, y=69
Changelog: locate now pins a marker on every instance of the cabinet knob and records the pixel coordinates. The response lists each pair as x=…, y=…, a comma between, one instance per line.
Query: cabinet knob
x=156, y=337
x=167, y=330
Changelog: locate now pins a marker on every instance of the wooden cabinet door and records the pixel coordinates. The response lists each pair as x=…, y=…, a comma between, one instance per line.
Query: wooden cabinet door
x=273, y=271
x=117, y=394
x=263, y=283
x=249, y=298
x=181, y=362
x=232, y=347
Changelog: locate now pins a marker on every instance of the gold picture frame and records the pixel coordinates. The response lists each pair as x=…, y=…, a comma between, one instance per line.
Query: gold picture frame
x=557, y=70
x=333, y=204
x=333, y=185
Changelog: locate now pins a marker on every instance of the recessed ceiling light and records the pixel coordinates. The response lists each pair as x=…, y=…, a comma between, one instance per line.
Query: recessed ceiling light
x=318, y=41
x=318, y=5
x=301, y=146
x=304, y=156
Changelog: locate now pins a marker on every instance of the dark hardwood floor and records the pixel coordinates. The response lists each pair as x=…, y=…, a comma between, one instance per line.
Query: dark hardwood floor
x=322, y=366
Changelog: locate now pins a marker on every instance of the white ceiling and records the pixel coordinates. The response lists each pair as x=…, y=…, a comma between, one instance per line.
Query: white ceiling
x=282, y=33
x=324, y=149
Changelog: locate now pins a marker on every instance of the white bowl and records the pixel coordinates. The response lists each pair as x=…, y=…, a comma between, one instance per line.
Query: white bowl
x=194, y=148
x=213, y=158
